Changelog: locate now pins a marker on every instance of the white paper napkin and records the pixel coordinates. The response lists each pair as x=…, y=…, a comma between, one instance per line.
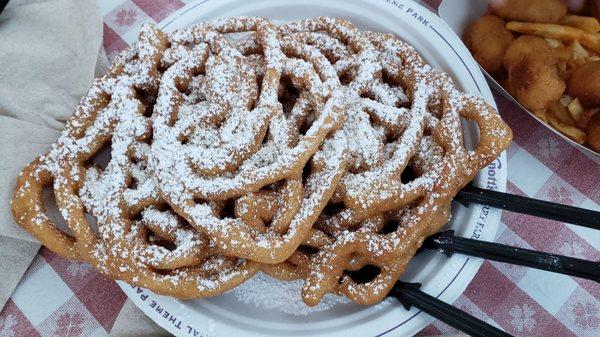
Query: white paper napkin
x=48, y=56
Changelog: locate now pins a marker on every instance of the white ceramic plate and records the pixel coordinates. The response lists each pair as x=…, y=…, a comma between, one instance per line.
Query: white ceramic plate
x=461, y=13
x=445, y=278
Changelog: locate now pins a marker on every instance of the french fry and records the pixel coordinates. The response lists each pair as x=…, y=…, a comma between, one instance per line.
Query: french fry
x=572, y=132
x=580, y=54
x=575, y=109
x=586, y=23
x=565, y=100
x=554, y=43
x=541, y=114
x=574, y=54
x=562, y=114
x=547, y=30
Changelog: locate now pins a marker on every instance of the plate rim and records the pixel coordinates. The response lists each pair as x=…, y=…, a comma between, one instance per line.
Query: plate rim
x=469, y=267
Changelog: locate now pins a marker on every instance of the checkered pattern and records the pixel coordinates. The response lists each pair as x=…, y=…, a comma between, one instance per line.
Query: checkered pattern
x=57, y=297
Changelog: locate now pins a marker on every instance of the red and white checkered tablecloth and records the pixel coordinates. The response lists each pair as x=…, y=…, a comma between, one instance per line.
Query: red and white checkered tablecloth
x=58, y=297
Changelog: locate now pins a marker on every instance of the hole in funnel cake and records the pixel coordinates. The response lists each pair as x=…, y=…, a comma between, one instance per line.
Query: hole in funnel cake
x=52, y=211
x=266, y=138
x=391, y=137
x=390, y=227
x=346, y=77
x=306, y=123
x=368, y=94
x=471, y=140
x=92, y=222
x=333, y=208
x=331, y=56
x=136, y=217
x=228, y=209
x=308, y=249
x=287, y=95
x=408, y=175
x=403, y=104
x=415, y=203
x=197, y=201
x=389, y=79
x=138, y=173
x=168, y=245
x=156, y=240
x=306, y=171
x=148, y=110
x=162, y=207
x=427, y=132
x=148, y=99
x=101, y=158
x=273, y=186
x=132, y=183
x=365, y=274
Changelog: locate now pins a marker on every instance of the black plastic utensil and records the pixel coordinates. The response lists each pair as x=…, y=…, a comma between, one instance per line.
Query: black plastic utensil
x=410, y=295
x=447, y=243
x=540, y=208
x=3, y=4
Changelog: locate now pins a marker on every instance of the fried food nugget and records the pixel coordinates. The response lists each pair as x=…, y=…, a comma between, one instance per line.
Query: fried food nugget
x=584, y=84
x=533, y=74
x=593, y=132
x=487, y=39
x=539, y=11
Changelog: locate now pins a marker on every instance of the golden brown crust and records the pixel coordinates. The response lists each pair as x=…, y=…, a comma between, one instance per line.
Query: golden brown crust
x=533, y=73
x=487, y=38
x=584, y=84
x=593, y=132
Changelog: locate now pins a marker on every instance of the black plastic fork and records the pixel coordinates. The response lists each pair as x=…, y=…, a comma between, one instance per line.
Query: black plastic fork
x=519, y=204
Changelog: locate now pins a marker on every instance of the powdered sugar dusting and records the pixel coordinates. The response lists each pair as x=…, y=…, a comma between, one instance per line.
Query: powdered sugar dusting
x=267, y=292
x=228, y=139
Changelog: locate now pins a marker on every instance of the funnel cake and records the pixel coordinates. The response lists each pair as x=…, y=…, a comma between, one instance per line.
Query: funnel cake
x=122, y=197
x=229, y=140
x=141, y=239
x=407, y=153
x=305, y=151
